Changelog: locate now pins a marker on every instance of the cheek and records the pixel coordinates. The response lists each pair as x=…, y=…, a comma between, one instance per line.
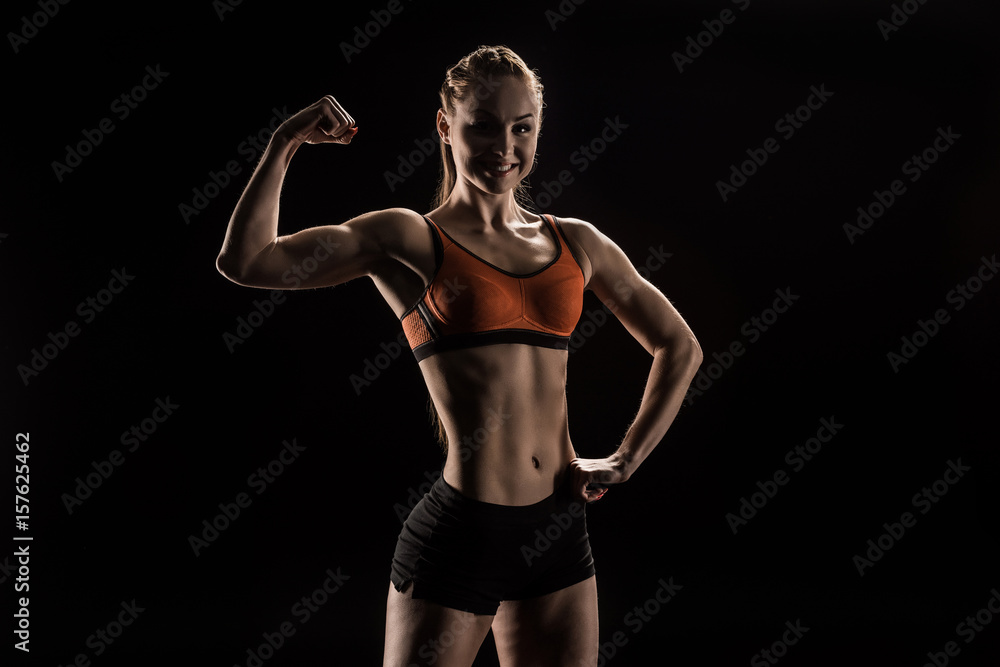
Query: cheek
x=527, y=151
x=471, y=144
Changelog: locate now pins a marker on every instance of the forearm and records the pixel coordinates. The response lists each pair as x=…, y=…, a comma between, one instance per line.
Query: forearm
x=254, y=223
x=669, y=378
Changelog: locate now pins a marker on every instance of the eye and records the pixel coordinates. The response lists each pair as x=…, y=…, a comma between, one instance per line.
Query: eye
x=523, y=129
x=480, y=125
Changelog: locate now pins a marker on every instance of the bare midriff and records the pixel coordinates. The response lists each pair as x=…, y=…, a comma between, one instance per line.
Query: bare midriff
x=503, y=408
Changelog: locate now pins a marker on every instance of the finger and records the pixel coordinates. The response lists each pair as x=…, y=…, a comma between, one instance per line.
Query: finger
x=329, y=122
x=344, y=120
x=333, y=127
x=347, y=136
x=595, y=491
x=341, y=111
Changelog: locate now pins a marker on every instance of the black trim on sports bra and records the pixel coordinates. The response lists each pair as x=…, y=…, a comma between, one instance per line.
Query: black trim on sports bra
x=495, y=337
x=438, y=261
x=562, y=232
x=552, y=233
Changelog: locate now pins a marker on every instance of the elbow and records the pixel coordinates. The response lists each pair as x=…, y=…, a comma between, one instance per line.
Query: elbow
x=684, y=353
x=695, y=353
x=691, y=355
x=229, y=268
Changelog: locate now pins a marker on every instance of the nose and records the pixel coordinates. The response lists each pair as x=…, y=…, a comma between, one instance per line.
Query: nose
x=503, y=145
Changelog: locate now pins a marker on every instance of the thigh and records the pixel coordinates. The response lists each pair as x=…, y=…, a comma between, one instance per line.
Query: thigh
x=421, y=632
x=555, y=629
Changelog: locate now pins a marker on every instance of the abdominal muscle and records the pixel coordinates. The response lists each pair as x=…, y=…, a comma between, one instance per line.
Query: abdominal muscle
x=503, y=408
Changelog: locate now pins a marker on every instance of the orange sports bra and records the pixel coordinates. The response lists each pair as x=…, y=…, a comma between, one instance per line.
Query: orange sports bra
x=470, y=302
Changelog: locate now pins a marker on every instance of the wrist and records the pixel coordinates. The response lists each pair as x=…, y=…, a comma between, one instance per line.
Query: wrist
x=624, y=463
x=282, y=140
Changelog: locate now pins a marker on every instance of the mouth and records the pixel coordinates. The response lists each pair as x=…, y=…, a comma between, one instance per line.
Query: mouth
x=499, y=169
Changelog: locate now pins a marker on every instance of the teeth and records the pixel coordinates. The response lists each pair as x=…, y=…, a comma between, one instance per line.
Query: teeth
x=507, y=168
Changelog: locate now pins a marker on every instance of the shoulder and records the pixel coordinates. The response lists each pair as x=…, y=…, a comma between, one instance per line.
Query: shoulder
x=588, y=242
x=582, y=232
x=387, y=227
x=397, y=219
x=584, y=240
x=606, y=261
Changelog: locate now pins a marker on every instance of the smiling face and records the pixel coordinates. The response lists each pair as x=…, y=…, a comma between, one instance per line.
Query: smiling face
x=493, y=134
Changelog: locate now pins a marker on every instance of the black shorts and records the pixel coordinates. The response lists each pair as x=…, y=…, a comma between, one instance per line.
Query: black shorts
x=469, y=555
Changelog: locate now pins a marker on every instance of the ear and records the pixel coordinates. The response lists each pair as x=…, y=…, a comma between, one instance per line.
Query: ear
x=443, y=128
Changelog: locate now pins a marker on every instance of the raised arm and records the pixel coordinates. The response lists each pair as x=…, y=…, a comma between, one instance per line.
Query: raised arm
x=254, y=255
x=654, y=322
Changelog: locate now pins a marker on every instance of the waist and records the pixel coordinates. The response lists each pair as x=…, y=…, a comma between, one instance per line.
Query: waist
x=508, y=474
x=503, y=409
x=490, y=511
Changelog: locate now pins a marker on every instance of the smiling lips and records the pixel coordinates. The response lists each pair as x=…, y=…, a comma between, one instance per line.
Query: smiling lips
x=500, y=169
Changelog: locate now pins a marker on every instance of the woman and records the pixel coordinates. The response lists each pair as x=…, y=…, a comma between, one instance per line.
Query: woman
x=488, y=293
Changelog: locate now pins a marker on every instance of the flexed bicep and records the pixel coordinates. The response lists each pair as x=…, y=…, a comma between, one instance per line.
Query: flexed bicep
x=324, y=256
x=252, y=254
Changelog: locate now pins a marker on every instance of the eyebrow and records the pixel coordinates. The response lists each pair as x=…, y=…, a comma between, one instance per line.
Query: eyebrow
x=527, y=115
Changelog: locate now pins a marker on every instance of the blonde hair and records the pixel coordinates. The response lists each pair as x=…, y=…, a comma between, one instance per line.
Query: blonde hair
x=468, y=78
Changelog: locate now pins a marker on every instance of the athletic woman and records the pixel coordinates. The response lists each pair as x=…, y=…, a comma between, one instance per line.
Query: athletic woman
x=488, y=293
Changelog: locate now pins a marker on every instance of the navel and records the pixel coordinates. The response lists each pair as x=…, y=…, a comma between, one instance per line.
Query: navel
x=535, y=462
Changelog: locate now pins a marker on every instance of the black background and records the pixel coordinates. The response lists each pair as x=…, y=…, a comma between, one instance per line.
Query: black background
x=655, y=186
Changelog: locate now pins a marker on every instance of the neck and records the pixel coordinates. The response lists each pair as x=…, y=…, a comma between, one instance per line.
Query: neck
x=469, y=203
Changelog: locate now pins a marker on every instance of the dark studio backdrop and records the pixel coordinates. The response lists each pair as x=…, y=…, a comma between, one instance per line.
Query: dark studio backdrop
x=811, y=184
